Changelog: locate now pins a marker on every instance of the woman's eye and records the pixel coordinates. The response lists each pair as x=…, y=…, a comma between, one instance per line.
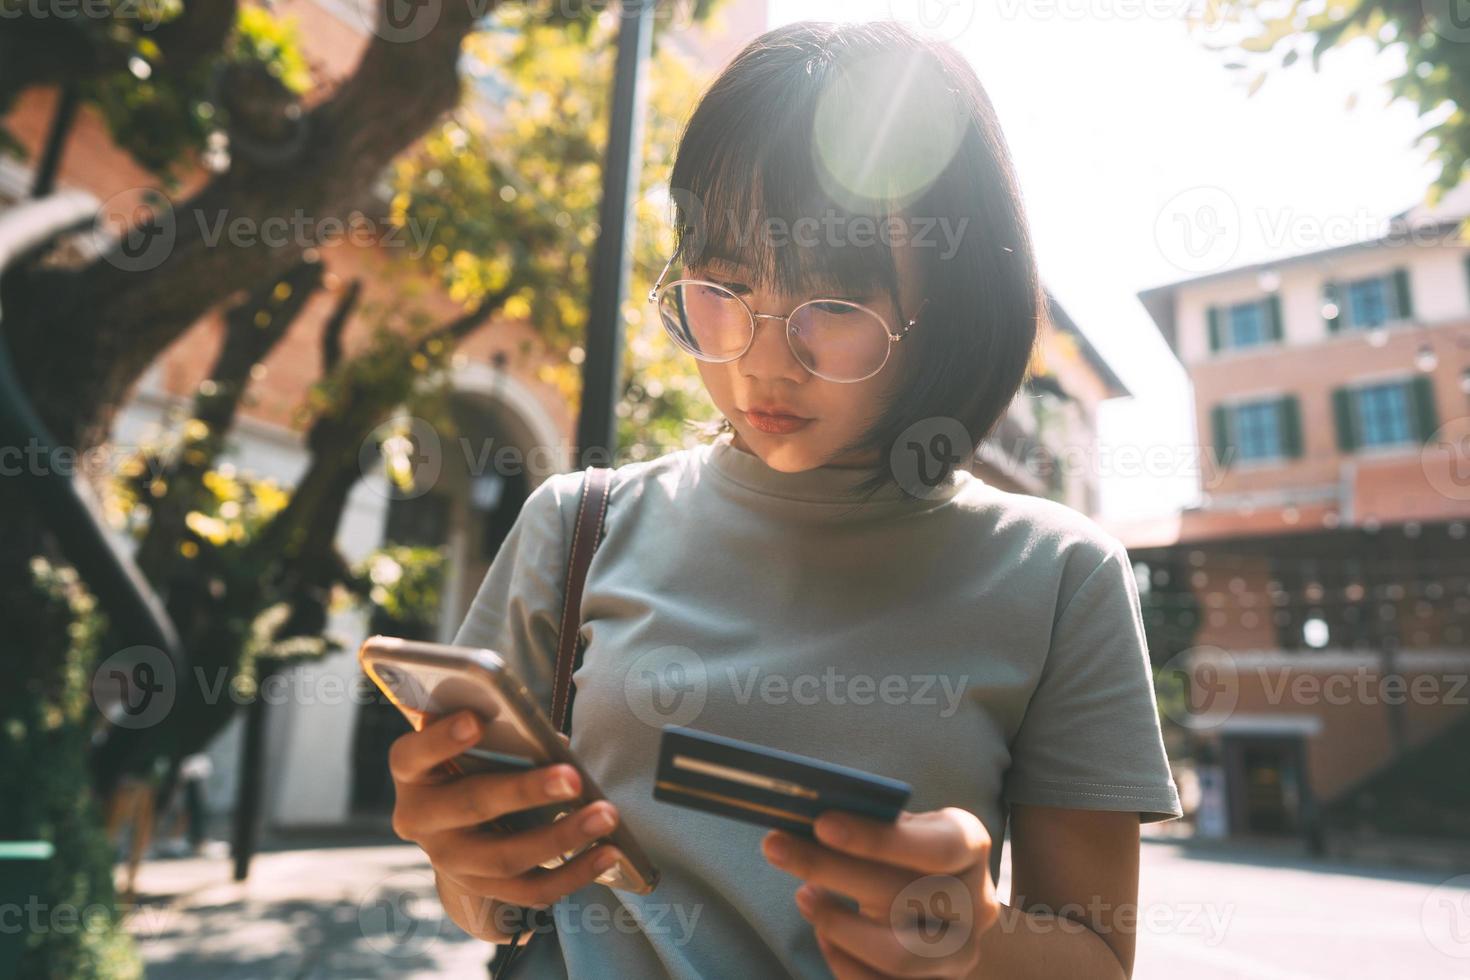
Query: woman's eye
x=722, y=293
x=835, y=308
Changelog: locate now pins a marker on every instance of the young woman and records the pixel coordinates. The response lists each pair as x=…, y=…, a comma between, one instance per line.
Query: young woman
x=855, y=279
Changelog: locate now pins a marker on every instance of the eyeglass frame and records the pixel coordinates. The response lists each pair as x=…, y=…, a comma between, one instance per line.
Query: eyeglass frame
x=893, y=338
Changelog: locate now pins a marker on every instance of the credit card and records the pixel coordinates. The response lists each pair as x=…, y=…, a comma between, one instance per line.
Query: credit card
x=766, y=786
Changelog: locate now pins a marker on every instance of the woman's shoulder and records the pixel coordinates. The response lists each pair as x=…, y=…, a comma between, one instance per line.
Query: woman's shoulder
x=1032, y=528
x=562, y=491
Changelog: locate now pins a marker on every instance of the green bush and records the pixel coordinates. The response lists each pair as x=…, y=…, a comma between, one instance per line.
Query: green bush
x=46, y=786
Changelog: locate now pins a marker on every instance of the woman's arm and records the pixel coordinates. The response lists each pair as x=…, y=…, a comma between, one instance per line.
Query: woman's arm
x=1074, y=896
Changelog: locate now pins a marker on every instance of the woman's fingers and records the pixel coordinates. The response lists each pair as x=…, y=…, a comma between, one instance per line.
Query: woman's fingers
x=945, y=841
x=414, y=758
x=873, y=885
x=469, y=801
x=508, y=855
x=541, y=887
x=890, y=951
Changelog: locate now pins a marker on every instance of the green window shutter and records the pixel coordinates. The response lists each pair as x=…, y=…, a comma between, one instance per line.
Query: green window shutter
x=1214, y=316
x=1421, y=397
x=1342, y=413
x=1329, y=295
x=1291, y=427
x=1401, y=292
x=1273, y=316
x=1220, y=427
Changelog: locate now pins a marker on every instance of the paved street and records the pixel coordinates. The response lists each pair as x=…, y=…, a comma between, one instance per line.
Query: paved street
x=360, y=912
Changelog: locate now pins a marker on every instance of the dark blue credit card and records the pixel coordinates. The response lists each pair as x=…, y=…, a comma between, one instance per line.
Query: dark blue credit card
x=767, y=786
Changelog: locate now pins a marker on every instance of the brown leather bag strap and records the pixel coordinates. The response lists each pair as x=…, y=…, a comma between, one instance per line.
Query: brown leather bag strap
x=586, y=535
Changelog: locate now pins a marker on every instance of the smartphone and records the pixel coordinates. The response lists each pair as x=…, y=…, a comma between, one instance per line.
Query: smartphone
x=426, y=681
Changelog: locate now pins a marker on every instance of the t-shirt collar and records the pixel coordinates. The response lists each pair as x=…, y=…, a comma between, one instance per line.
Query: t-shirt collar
x=819, y=484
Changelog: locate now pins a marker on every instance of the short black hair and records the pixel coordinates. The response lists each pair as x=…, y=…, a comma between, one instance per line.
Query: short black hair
x=872, y=120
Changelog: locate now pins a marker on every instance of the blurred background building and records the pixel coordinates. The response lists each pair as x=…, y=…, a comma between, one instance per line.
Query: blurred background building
x=1323, y=580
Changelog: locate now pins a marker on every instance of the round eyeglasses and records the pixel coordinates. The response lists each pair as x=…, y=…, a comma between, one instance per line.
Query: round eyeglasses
x=834, y=339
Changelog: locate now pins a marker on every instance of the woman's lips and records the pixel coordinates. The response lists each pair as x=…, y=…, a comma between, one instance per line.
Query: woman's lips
x=777, y=424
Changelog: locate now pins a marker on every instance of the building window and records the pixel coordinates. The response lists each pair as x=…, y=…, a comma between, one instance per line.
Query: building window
x=1367, y=302
x=1259, y=430
x=1363, y=304
x=1383, y=415
x=1244, y=325
x=1391, y=413
x=1247, y=325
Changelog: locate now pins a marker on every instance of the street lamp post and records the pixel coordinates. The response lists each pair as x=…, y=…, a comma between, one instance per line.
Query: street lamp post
x=602, y=367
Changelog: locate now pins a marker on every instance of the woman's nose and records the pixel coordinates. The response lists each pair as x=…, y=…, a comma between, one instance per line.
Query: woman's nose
x=770, y=354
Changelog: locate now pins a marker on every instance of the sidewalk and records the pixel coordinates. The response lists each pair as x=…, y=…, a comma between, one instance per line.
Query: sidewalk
x=357, y=912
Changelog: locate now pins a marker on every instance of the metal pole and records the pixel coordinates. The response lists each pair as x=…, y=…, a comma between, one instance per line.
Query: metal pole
x=602, y=368
x=61, y=123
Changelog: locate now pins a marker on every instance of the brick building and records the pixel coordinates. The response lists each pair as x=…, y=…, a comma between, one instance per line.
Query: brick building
x=1325, y=572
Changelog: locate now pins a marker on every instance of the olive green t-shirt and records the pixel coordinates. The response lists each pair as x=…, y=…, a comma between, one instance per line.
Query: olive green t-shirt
x=985, y=647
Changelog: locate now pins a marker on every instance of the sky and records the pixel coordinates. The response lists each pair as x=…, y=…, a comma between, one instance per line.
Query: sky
x=1118, y=117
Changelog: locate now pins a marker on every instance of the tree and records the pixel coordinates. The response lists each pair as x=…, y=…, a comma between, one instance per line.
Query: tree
x=247, y=569
x=1436, y=76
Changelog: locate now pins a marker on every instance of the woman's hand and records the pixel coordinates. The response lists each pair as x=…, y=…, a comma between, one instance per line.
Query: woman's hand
x=481, y=872
x=922, y=887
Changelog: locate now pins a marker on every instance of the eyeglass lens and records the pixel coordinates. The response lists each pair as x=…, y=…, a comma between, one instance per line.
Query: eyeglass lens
x=831, y=338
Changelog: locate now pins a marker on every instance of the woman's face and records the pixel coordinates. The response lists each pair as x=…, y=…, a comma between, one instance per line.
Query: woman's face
x=768, y=374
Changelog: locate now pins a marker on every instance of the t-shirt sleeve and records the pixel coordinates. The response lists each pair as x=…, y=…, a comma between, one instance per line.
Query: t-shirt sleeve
x=1090, y=738
x=517, y=610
